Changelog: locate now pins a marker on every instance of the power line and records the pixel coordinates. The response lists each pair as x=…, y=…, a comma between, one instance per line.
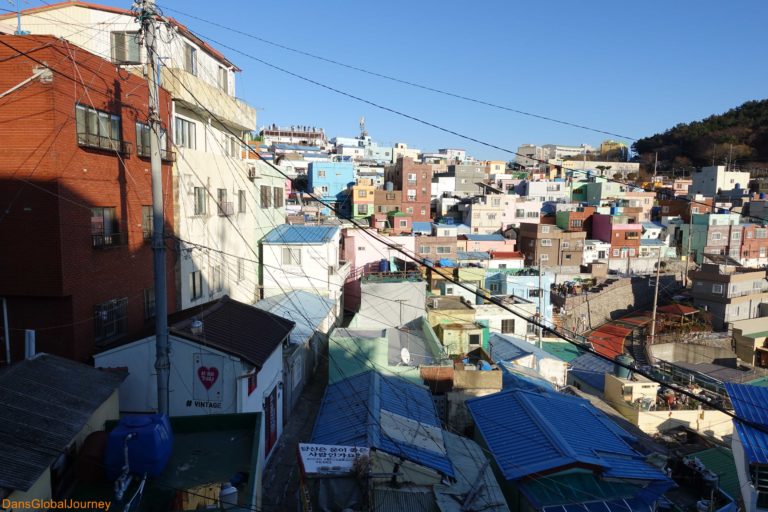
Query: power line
x=399, y=80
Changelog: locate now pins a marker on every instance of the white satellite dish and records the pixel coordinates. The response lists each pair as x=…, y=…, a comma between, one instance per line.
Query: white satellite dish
x=405, y=356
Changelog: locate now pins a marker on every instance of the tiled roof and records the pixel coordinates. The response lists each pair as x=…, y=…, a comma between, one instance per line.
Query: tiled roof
x=386, y=413
x=506, y=255
x=749, y=404
x=530, y=432
x=298, y=234
x=238, y=329
x=45, y=402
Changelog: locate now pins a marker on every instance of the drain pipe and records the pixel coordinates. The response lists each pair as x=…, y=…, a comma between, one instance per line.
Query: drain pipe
x=7, y=334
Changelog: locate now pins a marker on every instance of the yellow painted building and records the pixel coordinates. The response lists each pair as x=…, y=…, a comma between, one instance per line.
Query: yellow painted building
x=362, y=197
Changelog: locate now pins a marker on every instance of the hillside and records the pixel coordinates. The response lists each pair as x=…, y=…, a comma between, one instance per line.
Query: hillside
x=742, y=133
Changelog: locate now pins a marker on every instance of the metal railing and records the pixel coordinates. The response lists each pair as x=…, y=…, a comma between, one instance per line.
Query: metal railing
x=101, y=241
x=226, y=208
x=89, y=140
x=165, y=154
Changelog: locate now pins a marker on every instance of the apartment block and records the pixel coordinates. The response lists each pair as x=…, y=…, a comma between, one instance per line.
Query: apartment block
x=550, y=245
x=728, y=293
x=415, y=183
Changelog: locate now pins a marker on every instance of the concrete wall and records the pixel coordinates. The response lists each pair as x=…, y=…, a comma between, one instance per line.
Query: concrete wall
x=708, y=422
x=386, y=305
x=691, y=353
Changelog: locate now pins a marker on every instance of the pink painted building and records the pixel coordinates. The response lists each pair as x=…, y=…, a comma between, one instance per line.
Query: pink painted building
x=624, y=237
x=484, y=243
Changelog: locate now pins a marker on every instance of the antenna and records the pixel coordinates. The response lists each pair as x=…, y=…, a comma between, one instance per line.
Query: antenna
x=363, y=133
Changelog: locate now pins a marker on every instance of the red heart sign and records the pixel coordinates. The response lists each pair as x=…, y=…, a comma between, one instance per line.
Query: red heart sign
x=207, y=375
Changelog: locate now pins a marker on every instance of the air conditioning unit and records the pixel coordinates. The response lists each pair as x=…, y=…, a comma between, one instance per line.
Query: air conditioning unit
x=251, y=172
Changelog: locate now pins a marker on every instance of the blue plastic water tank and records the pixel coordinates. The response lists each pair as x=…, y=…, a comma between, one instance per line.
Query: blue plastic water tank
x=383, y=266
x=148, y=450
x=762, y=195
x=614, y=210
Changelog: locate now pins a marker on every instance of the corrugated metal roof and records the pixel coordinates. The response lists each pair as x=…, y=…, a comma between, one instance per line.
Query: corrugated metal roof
x=472, y=255
x=300, y=234
x=306, y=309
x=485, y=238
x=373, y=410
x=509, y=348
x=591, y=370
x=519, y=377
x=533, y=431
x=422, y=227
x=749, y=404
x=45, y=402
x=720, y=461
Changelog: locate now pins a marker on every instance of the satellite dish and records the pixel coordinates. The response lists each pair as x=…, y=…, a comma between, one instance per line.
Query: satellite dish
x=405, y=356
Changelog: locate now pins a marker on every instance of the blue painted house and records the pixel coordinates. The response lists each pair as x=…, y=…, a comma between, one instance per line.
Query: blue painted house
x=555, y=453
x=330, y=180
x=501, y=282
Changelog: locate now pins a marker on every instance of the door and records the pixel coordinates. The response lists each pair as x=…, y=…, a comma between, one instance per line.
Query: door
x=270, y=427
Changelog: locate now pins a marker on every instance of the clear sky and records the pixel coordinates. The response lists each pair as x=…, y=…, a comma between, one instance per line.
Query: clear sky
x=633, y=68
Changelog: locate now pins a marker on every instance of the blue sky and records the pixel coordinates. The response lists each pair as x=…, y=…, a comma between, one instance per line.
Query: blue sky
x=632, y=68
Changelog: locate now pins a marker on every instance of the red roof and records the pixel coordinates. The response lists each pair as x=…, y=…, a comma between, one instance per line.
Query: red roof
x=678, y=309
x=608, y=340
x=506, y=255
x=106, y=8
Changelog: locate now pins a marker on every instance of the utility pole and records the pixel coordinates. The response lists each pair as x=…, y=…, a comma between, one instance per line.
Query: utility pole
x=688, y=253
x=655, y=299
x=162, y=363
x=655, y=163
x=541, y=306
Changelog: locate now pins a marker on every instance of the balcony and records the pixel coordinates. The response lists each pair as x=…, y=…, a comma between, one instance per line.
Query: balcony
x=186, y=87
x=89, y=140
x=165, y=154
x=226, y=208
x=105, y=241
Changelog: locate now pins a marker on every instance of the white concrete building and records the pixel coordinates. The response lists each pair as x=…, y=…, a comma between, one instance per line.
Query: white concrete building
x=226, y=359
x=545, y=190
x=709, y=181
x=304, y=258
x=215, y=203
x=531, y=156
x=596, y=250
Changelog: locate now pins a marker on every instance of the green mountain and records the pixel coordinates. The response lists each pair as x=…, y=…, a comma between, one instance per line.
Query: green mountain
x=741, y=135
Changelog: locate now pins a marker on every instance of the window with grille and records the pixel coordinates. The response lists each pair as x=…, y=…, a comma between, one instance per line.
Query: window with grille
x=143, y=132
x=126, y=48
x=147, y=219
x=217, y=281
x=241, y=201
x=149, y=303
x=277, y=197
x=110, y=319
x=508, y=325
x=104, y=227
x=98, y=129
x=362, y=209
x=265, y=196
x=200, y=201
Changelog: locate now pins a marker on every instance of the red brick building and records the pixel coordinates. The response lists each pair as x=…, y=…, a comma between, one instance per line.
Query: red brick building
x=75, y=190
x=415, y=182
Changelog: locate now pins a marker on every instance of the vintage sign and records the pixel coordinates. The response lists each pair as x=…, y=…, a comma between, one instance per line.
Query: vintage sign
x=329, y=459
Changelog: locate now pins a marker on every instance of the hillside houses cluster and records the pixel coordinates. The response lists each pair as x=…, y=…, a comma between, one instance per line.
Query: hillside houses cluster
x=482, y=329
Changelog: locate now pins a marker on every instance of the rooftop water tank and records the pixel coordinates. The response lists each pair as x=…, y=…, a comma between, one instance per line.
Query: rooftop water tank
x=148, y=439
x=614, y=210
x=762, y=195
x=390, y=186
x=619, y=370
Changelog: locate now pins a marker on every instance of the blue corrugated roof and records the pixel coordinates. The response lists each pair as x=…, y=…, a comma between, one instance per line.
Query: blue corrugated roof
x=534, y=431
x=485, y=238
x=472, y=255
x=351, y=415
x=519, y=377
x=422, y=227
x=509, y=348
x=591, y=369
x=299, y=234
x=749, y=403
x=651, y=242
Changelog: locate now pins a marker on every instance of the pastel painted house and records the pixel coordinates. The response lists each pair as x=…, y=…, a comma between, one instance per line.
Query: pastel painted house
x=623, y=236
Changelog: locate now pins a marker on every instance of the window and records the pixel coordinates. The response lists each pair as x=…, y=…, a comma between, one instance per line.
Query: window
x=423, y=211
x=321, y=174
x=240, y=269
x=97, y=129
x=717, y=288
x=143, y=133
x=717, y=236
x=266, y=196
x=411, y=178
x=532, y=215
x=409, y=210
x=425, y=249
x=241, y=201
x=546, y=242
x=474, y=339
x=149, y=303
x=277, y=197
x=544, y=257
x=223, y=79
x=361, y=248
x=125, y=48
x=362, y=209
x=762, y=252
x=291, y=256
x=519, y=213
x=631, y=251
x=195, y=285
x=736, y=235
x=615, y=253
x=231, y=147
x=403, y=223
x=411, y=194
x=494, y=287
x=508, y=325
x=225, y=207
x=217, y=284
x=491, y=216
x=110, y=319
x=761, y=232
x=190, y=59
x=390, y=197
x=362, y=193
x=545, y=229
x=443, y=249
x=534, y=293
x=576, y=223
x=104, y=227
x=185, y=134
x=750, y=234
x=200, y=201
x=565, y=245
x=147, y=219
